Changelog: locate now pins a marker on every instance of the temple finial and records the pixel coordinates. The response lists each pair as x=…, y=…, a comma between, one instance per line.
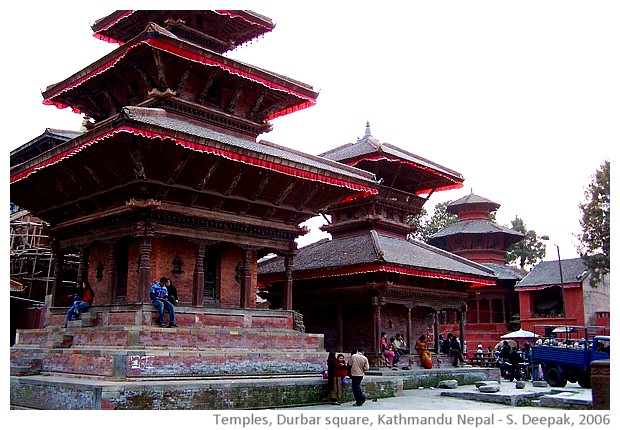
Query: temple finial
x=367, y=132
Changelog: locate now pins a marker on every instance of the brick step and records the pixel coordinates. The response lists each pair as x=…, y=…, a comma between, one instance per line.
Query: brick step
x=156, y=362
x=17, y=370
x=186, y=316
x=181, y=337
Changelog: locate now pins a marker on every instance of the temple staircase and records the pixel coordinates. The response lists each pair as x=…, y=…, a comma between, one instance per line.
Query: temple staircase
x=119, y=342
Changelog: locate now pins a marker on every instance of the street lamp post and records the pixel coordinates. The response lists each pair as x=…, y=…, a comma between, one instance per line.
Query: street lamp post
x=545, y=237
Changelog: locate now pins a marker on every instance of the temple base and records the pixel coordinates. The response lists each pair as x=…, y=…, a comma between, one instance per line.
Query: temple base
x=118, y=342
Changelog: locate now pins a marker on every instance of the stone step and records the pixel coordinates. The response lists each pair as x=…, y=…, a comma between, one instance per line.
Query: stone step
x=181, y=337
x=115, y=363
x=19, y=370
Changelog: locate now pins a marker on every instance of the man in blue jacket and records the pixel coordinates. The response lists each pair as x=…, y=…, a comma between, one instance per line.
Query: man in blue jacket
x=159, y=296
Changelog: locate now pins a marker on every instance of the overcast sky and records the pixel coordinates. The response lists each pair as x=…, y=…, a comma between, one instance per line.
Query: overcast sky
x=521, y=98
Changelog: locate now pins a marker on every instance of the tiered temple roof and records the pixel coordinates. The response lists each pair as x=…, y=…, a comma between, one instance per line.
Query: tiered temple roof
x=474, y=236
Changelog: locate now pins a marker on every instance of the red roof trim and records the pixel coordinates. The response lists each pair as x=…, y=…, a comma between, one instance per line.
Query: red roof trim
x=542, y=287
x=231, y=155
x=232, y=14
x=370, y=268
x=184, y=53
x=455, y=184
x=107, y=38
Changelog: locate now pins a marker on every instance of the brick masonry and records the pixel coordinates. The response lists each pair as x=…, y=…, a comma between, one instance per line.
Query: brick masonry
x=47, y=392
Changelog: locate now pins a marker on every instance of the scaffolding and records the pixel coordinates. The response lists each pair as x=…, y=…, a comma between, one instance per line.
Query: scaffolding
x=32, y=263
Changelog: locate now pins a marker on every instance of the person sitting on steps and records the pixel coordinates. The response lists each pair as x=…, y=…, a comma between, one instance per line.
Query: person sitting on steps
x=401, y=345
x=159, y=296
x=82, y=300
x=385, y=349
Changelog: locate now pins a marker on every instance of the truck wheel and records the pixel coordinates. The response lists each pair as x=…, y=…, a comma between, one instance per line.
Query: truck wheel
x=584, y=380
x=554, y=378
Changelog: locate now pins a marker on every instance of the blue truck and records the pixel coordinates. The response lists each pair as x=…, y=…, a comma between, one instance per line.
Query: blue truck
x=568, y=359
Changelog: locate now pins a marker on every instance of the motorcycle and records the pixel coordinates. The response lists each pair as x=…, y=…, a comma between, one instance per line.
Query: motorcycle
x=511, y=371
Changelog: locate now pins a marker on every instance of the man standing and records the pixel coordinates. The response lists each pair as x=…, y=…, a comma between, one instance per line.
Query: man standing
x=359, y=364
x=455, y=350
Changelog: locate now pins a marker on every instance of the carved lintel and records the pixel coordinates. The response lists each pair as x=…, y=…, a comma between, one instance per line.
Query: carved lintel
x=146, y=228
x=142, y=204
x=205, y=242
x=162, y=94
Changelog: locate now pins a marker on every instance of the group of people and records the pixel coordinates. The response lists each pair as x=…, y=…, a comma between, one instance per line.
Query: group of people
x=390, y=349
x=451, y=346
x=517, y=358
x=163, y=294
x=338, y=370
x=164, y=297
x=396, y=347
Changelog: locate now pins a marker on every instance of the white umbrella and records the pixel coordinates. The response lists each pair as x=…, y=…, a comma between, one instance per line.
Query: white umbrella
x=520, y=334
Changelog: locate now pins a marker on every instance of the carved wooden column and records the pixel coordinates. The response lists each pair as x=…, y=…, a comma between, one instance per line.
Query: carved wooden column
x=340, y=328
x=146, y=231
x=436, y=329
x=409, y=328
x=144, y=273
x=82, y=272
x=199, y=275
x=287, y=295
x=462, y=314
x=376, y=304
x=57, y=286
x=247, y=292
x=112, y=275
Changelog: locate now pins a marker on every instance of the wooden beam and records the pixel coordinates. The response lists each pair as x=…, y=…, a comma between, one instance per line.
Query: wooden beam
x=161, y=73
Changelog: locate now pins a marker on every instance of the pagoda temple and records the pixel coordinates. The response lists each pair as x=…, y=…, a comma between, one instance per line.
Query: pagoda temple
x=167, y=178
x=369, y=277
x=492, y=310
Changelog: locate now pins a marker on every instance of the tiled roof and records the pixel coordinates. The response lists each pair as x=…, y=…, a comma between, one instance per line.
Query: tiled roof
x=373, y=247
x=505, y=272
x=49, y=139
x=369, y=145
x=548, y=273
x=472, y=199
x=159, y=118
x=475, y=227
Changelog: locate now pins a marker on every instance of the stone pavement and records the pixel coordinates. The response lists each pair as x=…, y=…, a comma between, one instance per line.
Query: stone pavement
x=467, y=397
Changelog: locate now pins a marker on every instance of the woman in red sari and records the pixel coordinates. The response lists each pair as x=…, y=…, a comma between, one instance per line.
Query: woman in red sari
x=337, y=370
x=421, y=348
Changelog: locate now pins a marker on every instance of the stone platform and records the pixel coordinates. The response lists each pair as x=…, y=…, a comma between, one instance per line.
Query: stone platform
x=61, y=392
x=570, y=397
x=120, y=342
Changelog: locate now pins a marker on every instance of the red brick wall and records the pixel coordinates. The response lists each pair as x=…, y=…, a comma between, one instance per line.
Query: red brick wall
x=163, y=252
x=99, y=254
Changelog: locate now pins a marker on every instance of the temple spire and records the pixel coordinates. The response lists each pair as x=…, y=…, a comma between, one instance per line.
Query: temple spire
x=367, y=133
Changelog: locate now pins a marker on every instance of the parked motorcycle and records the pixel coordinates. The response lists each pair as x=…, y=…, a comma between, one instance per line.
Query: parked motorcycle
x=511, y=371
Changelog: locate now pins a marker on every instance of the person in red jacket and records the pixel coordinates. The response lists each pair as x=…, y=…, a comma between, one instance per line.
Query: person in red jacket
x=337, y=370
x=82, y=300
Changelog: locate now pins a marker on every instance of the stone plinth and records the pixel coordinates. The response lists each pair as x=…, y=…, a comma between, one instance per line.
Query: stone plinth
x=600, y=378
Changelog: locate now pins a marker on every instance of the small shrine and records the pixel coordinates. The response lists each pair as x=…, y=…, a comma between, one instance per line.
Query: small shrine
x=492, y=310
x=370, y=277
